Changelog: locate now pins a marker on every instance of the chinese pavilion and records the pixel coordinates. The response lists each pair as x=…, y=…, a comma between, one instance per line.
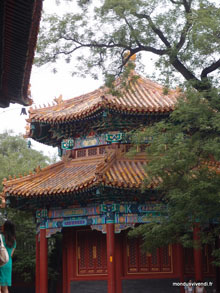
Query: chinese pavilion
x=19, y=24
x=93, y=195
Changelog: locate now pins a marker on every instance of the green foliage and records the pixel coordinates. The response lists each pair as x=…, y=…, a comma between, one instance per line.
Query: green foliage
x=182, y=154
x=54, y=260
x=184, y=35
x=16, y=158
x=24, y=255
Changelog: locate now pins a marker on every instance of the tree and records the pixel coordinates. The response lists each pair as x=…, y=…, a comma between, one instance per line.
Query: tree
x=184, y=156
x=17, y=159
x=184, y=34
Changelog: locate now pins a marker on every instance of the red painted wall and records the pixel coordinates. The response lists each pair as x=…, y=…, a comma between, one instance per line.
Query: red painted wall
x=71, y=253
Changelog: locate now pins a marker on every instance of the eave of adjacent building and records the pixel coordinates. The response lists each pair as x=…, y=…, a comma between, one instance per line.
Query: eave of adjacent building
x=19, y=25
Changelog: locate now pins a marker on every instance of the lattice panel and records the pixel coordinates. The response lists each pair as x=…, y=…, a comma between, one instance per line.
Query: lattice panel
x=81, y=153
x=101, y=150
x=188, y=260
x=155, y=261
x=132, y=255
x=143, y=148
x=128, y=146
x=207, y=259
x=92, y=257
x=92, y=152
x=82, y=253
x=142, y=262
x=209, y=268
x=166, y=258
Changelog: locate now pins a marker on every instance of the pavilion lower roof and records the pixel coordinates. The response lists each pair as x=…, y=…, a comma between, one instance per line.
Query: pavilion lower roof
x=74, y=175
x=143, y=97
x=19, y=24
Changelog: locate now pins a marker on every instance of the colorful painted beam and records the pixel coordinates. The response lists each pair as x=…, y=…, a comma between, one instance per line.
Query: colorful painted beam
x=122, y=214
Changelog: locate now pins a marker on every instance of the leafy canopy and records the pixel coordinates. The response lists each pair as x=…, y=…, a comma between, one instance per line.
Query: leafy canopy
x=184, y=155
x=16, y=158
x=183, y=34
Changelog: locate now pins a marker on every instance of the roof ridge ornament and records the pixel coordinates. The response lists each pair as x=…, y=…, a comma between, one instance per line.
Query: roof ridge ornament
x=67, y=156
x=28, y=129
x=38, y=169
x=59, y=100
x=2, y=200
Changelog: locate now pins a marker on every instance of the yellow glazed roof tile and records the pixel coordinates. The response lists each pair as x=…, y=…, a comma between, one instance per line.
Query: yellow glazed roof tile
x=144, y=96
x=73, y=175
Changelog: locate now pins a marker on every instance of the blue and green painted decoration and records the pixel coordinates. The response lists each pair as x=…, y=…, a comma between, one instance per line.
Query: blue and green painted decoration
x=123, y=214
x=91, y=141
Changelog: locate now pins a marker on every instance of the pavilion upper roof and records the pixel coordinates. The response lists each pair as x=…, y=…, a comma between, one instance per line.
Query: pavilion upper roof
x=144, y=96
x=19, y=24
x=74, y=175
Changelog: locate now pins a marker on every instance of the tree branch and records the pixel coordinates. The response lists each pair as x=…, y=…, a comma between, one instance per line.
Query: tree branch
x=187, y=5
x=94, y=44
x=183, y=35
x=118, y=45
x=176, y=2
x=183, y=70
x=210, y=69
x=188, y=75
x=132, y=31
x=154, y=50
x=157, y=31
x=182, y=39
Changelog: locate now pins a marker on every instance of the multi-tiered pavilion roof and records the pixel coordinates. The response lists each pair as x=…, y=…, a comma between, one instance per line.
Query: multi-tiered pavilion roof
x=97, y=123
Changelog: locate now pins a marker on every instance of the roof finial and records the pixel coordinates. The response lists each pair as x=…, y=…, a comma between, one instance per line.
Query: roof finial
x=28, y=129
x=59, y=100
x=130, y=57
x=37, y=170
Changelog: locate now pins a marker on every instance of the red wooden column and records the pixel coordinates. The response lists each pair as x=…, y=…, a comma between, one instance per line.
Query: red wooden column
x=37, y=268
x=43, y=262
x=197, y=253
x=180, y=264
x=217, y=269
x=110, y=228
x=71, y=256
x=64, y=254
x=118, y=263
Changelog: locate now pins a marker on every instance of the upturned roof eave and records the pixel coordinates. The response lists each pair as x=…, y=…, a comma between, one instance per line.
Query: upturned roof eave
x=109, y=172
x=140, y=102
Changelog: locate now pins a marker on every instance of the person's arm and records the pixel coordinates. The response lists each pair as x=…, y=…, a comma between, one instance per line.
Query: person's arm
x=15, y=244
x=12, y=252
